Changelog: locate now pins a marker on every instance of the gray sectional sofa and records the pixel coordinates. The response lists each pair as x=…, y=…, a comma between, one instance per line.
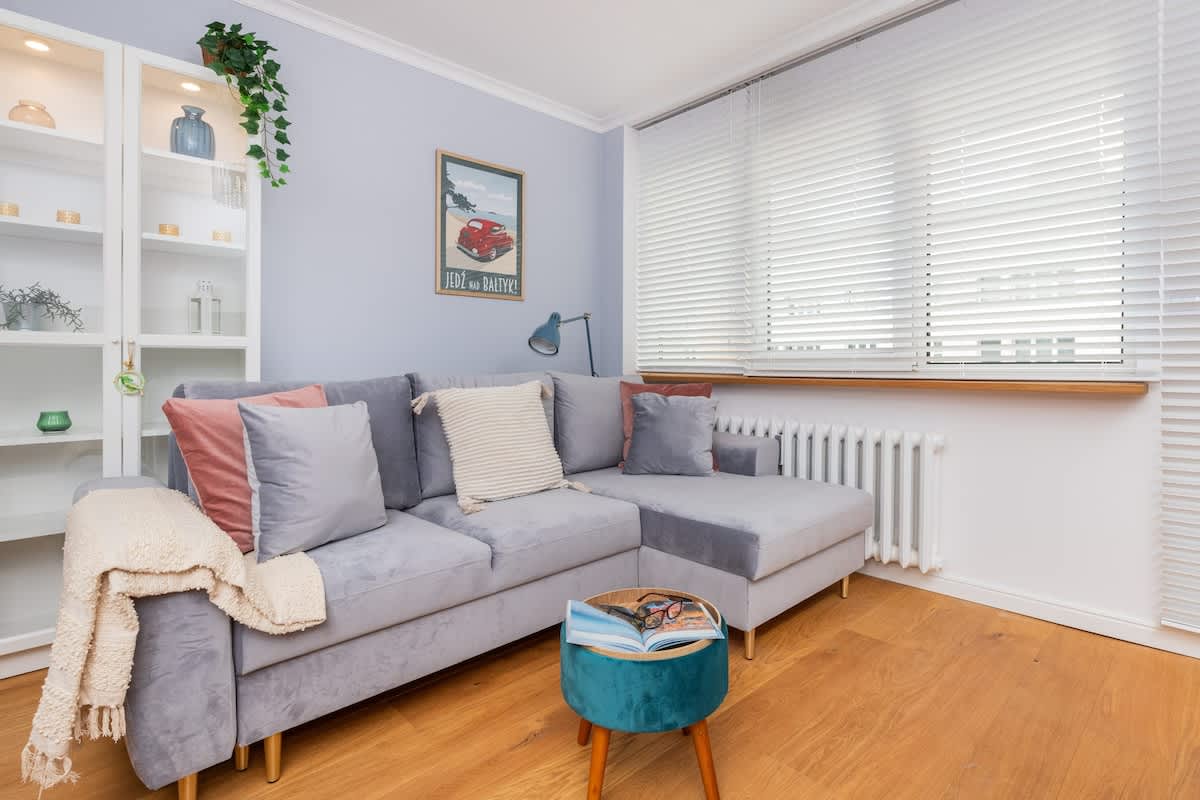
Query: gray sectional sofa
x=434, y=586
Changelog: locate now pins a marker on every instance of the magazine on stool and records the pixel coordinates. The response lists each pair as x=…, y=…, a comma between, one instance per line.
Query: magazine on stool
x=645, y=627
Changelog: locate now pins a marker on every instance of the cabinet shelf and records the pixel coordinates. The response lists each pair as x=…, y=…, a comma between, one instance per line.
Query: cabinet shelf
x=158, y=243
x=52, y=339
x=49, y=142
x=27, y=634
x=32, y=526
x=24, y=437
x=165, y=169
x=194, y=341
x=51, y=231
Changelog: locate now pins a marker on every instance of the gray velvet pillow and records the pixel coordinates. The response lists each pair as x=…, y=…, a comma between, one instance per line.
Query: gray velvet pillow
x=588, y=430
x=672, y=435
x=314, y=477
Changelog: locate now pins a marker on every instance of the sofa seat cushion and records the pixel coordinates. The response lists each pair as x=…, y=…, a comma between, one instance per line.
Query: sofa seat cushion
x=749, y=526
x=540, y=534
x=406, y=569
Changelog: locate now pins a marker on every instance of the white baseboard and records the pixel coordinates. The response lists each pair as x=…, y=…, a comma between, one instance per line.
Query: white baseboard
x=1085, y=619
x=24, y=661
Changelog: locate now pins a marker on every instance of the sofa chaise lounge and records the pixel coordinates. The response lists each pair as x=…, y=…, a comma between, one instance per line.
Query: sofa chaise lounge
x=434, y=586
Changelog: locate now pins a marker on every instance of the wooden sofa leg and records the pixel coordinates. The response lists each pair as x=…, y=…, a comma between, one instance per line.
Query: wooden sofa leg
x=273, y=750
x=845, y=587
x=187, y=786
x=750, y=644
x=241, y=757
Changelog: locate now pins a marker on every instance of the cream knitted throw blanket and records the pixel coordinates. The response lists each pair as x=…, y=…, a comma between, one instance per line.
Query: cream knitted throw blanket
x=127, y=543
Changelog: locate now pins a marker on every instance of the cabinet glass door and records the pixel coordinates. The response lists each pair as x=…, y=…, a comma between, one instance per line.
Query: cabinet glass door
x=60, y=267
x=191, y=293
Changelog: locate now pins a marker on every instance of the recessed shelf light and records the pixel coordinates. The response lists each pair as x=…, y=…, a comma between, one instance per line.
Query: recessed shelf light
x=190, y=87
x=34, y=44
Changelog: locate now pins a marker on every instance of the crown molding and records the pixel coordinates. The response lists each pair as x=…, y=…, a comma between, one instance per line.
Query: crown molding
x=356, y=35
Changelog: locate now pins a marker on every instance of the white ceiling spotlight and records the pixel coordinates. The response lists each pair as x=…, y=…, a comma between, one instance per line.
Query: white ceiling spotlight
x=34, y=44
x=188, y=86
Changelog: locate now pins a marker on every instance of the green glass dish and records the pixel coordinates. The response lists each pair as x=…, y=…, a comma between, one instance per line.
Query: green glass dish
x=53, y=421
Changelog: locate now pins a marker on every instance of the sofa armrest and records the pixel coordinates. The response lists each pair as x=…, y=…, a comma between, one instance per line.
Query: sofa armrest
x=746, y=455
x=122, y=482
x=181, y=707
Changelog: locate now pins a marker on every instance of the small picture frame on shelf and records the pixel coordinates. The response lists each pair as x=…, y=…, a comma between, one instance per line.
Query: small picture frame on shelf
x=480, y=236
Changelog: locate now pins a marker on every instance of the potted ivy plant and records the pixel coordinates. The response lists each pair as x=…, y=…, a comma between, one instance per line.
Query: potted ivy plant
x=24, y=308
x=244, y=61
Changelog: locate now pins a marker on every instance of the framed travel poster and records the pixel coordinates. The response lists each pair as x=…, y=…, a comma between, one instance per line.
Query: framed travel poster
x=480, y=228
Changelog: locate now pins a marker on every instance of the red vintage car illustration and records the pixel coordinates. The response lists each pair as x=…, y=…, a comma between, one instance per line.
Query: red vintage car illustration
x=484, y=239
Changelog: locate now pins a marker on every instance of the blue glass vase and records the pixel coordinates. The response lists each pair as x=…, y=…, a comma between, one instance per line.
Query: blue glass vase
x=192, y=136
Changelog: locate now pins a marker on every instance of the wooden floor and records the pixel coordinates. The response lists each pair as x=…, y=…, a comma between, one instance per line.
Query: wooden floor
x=894, y=693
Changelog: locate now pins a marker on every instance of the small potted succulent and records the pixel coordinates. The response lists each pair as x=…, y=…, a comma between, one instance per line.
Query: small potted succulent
x=244, y=61
x=25, y=309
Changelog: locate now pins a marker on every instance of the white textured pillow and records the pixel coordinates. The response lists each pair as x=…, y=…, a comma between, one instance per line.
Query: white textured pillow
x=500, y=445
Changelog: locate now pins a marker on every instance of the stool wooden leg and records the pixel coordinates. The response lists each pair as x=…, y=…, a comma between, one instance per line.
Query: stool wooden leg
x=750, y=644
x=241, y=757
x=600, y=737
x=708, y=772
x=187, y=786
x=585, y=730
x=273, y=750
x=845, y=587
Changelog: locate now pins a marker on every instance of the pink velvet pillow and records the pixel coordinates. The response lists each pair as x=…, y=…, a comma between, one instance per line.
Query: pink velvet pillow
x=209, y=435
x=628, y=390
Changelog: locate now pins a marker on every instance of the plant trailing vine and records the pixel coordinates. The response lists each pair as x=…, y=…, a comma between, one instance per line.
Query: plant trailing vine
x=244, y=61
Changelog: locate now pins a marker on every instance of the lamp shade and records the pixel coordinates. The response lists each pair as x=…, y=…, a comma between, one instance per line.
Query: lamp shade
x=546, y=337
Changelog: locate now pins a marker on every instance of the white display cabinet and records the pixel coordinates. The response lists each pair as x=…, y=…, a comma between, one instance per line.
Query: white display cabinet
x=109, y=159
x=211, y=208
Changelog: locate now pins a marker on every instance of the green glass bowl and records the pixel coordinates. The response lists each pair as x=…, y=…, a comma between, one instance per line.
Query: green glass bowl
x=53, y=421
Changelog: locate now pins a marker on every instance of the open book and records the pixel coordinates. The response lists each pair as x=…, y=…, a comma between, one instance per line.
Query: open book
x=592, y=627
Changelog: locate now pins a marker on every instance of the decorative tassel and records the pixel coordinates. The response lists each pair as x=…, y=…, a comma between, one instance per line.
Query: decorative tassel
x=45, y=771
x=421, y=400
x=93, y=723
x=579, y=487
x=469, y=505
x=546, y=390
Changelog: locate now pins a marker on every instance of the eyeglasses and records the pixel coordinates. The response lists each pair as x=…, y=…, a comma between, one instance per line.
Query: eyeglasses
x=649, y=616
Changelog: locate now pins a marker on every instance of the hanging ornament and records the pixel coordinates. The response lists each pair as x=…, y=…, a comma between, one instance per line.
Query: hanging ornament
x=129, y=381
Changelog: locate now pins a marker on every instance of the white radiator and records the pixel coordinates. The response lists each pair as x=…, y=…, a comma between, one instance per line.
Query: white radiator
x=901, y=470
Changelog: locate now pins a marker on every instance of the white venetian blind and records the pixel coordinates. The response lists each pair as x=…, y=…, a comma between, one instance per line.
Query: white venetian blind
x=1180, y=223
x=693, y=239
x=971, y=192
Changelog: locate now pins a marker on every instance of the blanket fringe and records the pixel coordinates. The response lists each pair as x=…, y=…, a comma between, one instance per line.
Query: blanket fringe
x=46, y=772
x=101, y=721
x=579, y=487
x=469, y=505
x=419, y=402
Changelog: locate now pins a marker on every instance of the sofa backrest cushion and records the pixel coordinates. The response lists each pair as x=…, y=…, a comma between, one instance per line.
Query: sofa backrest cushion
x=388, y=402
x=433, y=454
x=587, y=420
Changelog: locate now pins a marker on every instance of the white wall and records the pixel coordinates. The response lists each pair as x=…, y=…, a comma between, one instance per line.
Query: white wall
x=1049, y=501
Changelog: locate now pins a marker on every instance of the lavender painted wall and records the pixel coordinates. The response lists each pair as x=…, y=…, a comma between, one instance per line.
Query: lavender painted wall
x=348, y=244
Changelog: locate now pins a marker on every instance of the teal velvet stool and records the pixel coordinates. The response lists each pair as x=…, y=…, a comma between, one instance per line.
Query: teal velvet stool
x=675, y=689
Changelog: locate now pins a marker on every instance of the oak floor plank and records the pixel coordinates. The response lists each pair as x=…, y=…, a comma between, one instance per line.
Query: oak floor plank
x=892, y=693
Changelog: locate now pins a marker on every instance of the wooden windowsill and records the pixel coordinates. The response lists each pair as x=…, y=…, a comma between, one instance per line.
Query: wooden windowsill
x=1123, y=388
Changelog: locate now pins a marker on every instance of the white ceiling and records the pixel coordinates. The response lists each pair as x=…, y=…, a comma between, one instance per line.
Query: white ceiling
x=595, y=62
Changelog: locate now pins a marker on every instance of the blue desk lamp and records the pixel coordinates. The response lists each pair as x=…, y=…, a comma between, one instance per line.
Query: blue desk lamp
x=546, y=338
